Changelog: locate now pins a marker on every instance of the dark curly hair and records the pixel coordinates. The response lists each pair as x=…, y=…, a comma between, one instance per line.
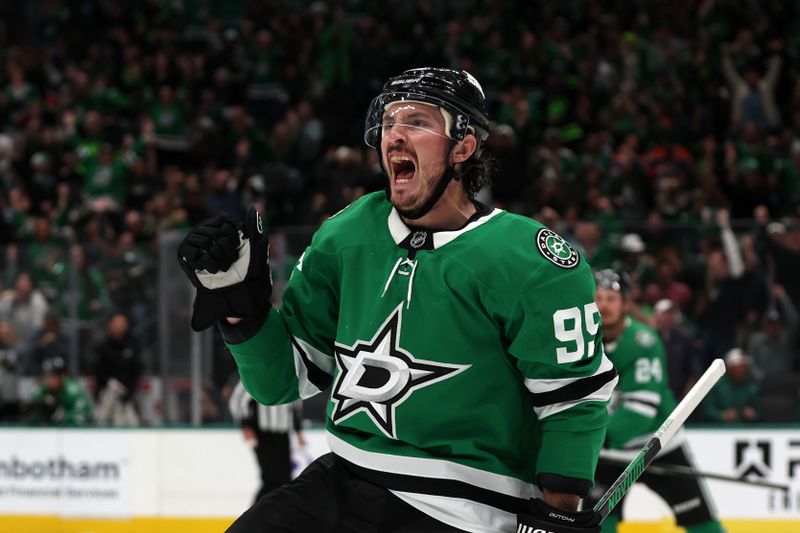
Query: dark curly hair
x=476, y=174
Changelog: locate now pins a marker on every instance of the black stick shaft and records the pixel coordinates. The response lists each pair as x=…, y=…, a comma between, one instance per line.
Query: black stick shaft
x=664, y=469
x=620, y=487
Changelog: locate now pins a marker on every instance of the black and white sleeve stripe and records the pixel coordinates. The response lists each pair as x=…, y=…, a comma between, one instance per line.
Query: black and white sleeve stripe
x=551, y=396
x=644, y=402
x=314, y=368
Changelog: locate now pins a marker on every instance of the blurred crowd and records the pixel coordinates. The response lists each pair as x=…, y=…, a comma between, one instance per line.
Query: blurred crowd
x=660, y=137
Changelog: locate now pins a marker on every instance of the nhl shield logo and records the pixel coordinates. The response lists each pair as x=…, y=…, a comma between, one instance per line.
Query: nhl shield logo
x=556, y=250
x=418, y=239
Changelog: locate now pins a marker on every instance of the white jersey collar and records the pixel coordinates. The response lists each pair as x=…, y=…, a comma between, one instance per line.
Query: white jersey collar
x=400, y=231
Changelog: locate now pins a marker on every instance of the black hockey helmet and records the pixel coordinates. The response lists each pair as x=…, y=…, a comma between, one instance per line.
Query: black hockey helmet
x=455, y=91
x=54, y=365
x=615, y=280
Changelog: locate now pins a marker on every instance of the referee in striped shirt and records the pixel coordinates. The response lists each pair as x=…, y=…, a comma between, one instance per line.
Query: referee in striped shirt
x=267, y=429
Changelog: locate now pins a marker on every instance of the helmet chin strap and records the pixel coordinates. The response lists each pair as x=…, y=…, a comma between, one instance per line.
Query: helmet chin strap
x=414, y=214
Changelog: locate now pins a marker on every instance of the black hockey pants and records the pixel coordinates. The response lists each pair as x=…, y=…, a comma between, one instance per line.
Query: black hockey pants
x=328, y=498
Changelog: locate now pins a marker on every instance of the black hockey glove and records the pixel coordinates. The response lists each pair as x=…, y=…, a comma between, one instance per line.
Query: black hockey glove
x=541, y=517
x=229, y=267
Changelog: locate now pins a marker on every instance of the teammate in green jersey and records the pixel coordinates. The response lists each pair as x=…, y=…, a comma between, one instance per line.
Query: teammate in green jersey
x=460, y=343
x=642, y=401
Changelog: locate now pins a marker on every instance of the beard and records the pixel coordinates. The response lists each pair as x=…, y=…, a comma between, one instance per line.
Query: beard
x=426, y=202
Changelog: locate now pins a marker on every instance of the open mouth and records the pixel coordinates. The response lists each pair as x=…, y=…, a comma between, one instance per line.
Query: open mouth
x=403, y=168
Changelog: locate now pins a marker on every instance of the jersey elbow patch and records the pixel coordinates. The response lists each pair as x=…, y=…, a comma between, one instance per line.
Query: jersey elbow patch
x=314, y=368
x=551, y=396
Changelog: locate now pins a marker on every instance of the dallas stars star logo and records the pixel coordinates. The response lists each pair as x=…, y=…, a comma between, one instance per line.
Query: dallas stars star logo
x=377, y=376
x=556, y=250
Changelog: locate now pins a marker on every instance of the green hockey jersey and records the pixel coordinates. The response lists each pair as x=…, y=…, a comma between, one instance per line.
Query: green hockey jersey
x=69, y=406
x=464, y=366
x=643, y=399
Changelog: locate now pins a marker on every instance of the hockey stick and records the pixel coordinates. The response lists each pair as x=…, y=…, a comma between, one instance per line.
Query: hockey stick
x=690, y=473
x=659, y=439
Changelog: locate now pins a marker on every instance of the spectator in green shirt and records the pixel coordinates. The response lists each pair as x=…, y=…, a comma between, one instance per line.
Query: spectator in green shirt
x=104, y=180
x=735, y=397
x=60, y=399
x=774, y=347
x=169, y=120
x=92, y=292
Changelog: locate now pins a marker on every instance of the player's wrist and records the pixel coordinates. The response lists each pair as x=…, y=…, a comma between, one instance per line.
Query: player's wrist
x=548, y=481
x=248, y=299
x=561, y=500
x=243, y=329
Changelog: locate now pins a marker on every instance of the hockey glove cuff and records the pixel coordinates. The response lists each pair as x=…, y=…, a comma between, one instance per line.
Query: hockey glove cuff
x=229, y=267
x=542, y=517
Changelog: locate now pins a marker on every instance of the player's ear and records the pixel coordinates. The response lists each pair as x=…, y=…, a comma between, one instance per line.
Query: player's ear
x=464, y=148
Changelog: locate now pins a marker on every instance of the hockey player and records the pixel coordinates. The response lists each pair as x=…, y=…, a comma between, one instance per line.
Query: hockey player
x=642, y=402
x=460, y=342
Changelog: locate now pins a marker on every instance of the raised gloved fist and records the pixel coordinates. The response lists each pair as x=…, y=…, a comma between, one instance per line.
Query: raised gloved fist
x=212, y=245
x=541, y=517
x=229, y=267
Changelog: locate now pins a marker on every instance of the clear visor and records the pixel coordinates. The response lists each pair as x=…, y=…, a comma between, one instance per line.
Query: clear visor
x=406, y=111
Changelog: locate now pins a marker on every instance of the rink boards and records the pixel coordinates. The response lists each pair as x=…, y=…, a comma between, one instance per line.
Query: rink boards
x=151, y=480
